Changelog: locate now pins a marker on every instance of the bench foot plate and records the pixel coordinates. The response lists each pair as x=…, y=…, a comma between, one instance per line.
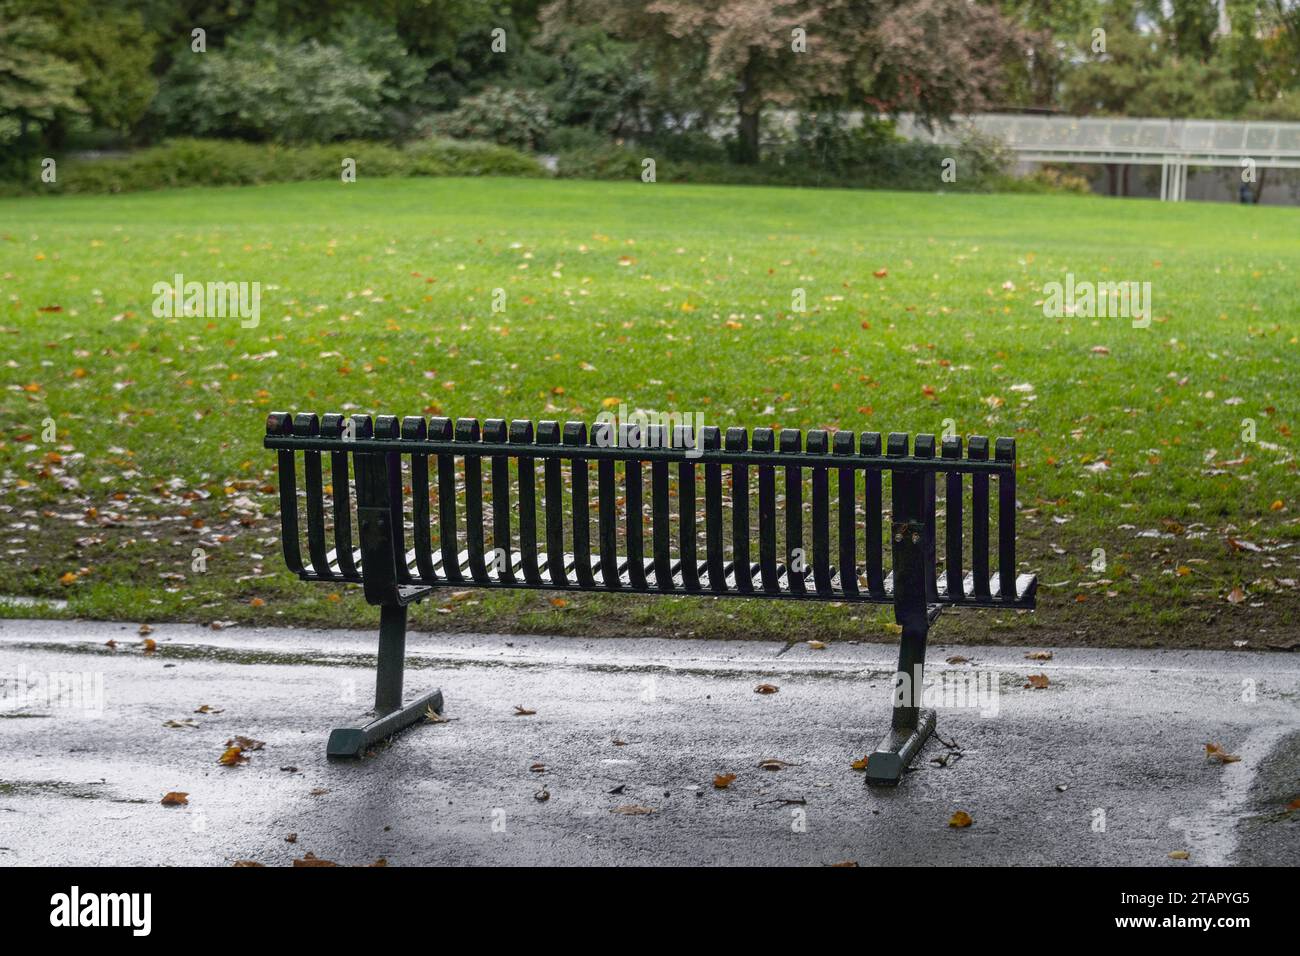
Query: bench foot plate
x=885, y=767
x=354, y=741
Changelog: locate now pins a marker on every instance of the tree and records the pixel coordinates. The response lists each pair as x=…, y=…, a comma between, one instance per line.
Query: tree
x=35, y=82
x=113, y=51
x=932, y=56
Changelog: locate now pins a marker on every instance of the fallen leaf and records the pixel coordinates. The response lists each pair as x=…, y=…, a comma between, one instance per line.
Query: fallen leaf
x=632, y=810
x=291, y=838
x=1217, y=754
x=245, y=743
x=175, y=798
x=523, y=711
x=771, y=763
x=1179, y=855
x=861, y=763
x=542, y=795
x=960, y=819
x=145, y=629
x=1039, y=656
x=312, y=860
x=958, y=659
x=149, y=645
x=722, y=781
x=559, y=602
x=817, y=645
x=880, y=273
x=247, y=863
x=1037, y=681
x=207, y=709
x=433, y=717
x=538, y=768
x=1236, y=596
x=845, y=863
x=232, y=757
x=766, y=689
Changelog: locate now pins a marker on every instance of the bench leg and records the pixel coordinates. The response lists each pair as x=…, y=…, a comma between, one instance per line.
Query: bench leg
x=910, y=725
x=390, y=715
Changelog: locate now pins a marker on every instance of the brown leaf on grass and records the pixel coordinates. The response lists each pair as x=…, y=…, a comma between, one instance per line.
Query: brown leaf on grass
x=559, y=602
x=232, y=757
x=1236, y=596
x=960, y=820
x=1039, y=656
x=766, y=689
x=1217, y=754
x=523, y=711
x=311, y=859
x=632, y=810
x=175, y=798
x=721, y=781
x=1037, y=682
x=880, y=273
x=1179, y=855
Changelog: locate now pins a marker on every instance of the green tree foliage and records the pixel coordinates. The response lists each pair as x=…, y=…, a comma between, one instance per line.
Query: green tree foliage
x=113, y=51
x=36, y=84
x=261, y=88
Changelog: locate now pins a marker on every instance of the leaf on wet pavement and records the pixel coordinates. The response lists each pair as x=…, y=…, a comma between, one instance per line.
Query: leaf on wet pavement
x=1216, y=754
x=232, y=757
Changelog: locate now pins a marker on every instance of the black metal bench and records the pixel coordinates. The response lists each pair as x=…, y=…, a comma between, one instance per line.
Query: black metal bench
x=390, y=471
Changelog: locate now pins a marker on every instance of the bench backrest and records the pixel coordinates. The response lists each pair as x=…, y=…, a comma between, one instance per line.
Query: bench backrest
x=422, y=480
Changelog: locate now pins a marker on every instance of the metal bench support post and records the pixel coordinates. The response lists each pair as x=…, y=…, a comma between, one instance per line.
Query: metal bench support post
x=912, y=536
x=378, y=507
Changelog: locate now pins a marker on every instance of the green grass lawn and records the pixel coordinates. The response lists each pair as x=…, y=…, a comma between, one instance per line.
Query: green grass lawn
x=377, y=297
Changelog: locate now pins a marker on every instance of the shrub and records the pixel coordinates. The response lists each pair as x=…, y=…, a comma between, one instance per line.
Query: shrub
x=200, y=162
x=517, y=118
x=265, y=89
